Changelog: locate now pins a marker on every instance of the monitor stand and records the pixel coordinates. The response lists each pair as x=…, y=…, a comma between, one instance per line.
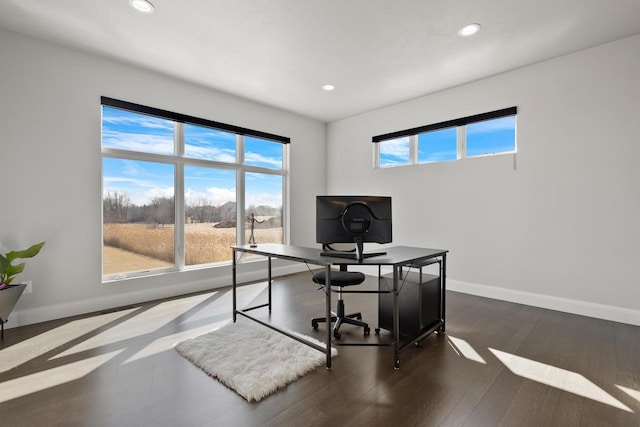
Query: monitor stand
x=351, y=255
x=359, y=254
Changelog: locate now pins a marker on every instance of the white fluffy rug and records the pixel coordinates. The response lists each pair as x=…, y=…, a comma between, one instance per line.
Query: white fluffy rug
x=250, y=358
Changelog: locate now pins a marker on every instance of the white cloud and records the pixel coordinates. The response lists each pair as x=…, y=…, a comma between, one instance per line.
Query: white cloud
x=258, y=159
x=395, y=148
x=213, y=195
x=263, y=199
x=160, y=144
x=159, y=192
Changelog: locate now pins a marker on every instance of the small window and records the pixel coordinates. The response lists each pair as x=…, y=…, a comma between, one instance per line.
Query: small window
x=438, y=146
x=491, y=137
x=473, y=136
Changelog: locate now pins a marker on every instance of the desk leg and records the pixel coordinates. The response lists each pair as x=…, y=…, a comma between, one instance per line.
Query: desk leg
x=396, y=319
x=327, y=291
x=443, y=298
x=233, y=279
x=269, y=284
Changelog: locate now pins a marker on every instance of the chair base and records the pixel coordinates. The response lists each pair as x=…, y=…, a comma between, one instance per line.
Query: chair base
x=340, y=318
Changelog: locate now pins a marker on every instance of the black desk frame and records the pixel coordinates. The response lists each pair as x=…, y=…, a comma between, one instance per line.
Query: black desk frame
x=396, y=257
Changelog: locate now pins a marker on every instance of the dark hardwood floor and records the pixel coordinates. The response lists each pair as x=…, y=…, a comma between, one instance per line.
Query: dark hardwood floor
x=498, y=364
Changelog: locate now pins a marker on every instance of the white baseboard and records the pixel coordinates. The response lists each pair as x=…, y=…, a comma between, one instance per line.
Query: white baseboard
x=583, y=308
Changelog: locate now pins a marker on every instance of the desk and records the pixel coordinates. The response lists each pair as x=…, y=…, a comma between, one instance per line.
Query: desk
x=395, y=257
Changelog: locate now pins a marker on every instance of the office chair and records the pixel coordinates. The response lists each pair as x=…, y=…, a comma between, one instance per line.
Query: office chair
x=340, y=279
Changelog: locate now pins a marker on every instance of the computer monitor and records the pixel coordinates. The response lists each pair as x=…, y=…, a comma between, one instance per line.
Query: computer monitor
x=353, y=219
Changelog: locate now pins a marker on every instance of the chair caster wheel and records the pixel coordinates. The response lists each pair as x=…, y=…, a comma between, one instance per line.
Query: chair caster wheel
x=418, y=344
x=314, y=325
x=367, y=331
x=337, y=335
x=377, y=331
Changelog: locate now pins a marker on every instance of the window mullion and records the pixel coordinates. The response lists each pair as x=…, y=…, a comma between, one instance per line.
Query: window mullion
x=285, y=194
x=376, y=155
x=240, y=190
x=179, y=195
x=462, y=142
x=413, y=150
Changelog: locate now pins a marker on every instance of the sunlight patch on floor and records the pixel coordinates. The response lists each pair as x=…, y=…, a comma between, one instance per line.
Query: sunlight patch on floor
x=558, y=378
x=32, y=348
x=245, y=295
x=631, y=392
x=147, y=322
x=167, y=342
x=53, y=377
x=220, y=303
x=248, y=294
x=464, y=349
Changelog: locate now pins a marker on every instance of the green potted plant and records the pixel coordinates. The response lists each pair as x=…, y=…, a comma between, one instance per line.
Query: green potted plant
x=9, y=294
x=8, y=271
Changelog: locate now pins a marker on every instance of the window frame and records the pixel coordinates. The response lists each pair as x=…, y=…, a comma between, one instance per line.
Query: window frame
x=459, y=124
x=180, y=161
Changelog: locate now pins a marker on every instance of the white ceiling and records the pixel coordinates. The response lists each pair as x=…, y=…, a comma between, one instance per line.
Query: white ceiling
x=280, y=52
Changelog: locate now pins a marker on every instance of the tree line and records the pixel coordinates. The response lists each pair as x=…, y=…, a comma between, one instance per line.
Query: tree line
x=118, y=208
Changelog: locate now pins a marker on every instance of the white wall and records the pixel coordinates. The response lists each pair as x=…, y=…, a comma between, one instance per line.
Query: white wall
x=50, y=170
x=562, y=230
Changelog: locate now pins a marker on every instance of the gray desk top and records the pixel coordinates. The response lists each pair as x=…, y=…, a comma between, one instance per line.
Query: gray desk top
x=396, y=255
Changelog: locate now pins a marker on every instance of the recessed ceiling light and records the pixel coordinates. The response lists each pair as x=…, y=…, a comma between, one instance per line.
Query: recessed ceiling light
x=142, y=6
x=469, y=30
x=328, y=88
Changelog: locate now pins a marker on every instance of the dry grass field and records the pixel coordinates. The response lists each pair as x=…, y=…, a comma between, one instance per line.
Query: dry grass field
x=143, y=247
x=119, y=260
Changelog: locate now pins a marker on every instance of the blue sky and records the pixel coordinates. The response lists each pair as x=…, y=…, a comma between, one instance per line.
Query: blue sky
x=437, y=146
x=491, y=136
x=143, y=180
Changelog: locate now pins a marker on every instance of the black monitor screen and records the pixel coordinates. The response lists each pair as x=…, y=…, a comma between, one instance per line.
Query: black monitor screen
x=353, y=219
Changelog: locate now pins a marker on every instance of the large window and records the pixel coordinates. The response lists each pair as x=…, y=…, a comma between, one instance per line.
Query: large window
x=178, y=191
x=480, y=135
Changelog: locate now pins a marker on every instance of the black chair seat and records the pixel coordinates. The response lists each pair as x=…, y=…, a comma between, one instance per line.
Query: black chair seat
x=340, y=278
